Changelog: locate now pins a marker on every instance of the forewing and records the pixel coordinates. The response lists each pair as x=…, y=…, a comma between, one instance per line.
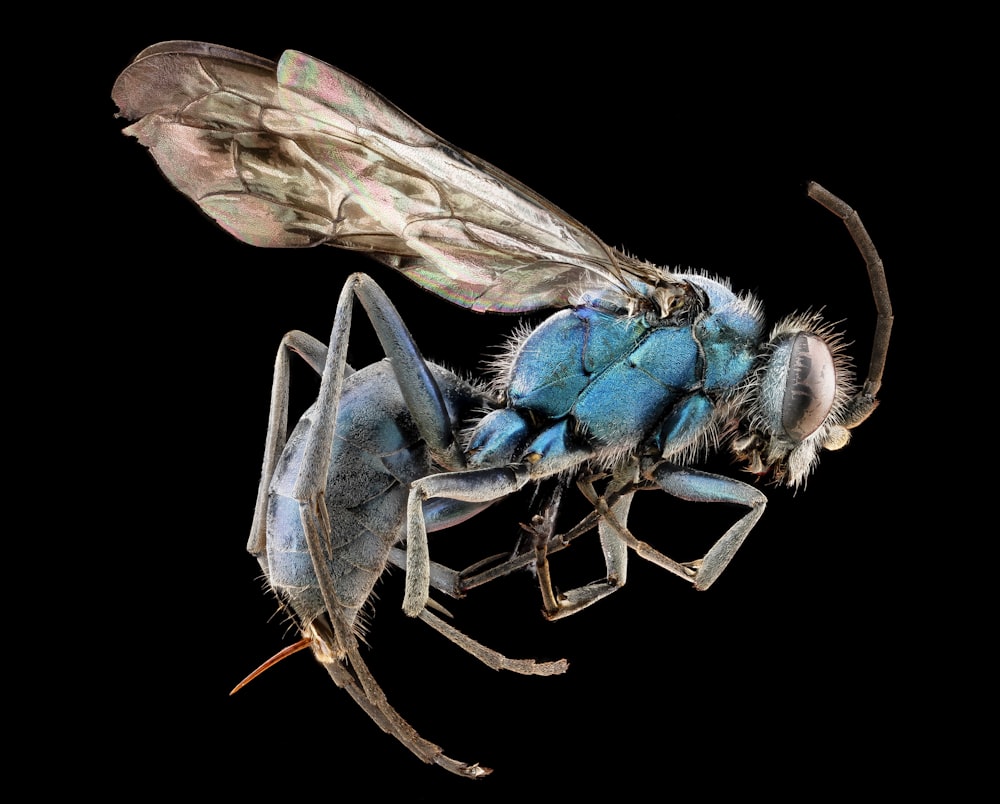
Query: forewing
x=299, y=154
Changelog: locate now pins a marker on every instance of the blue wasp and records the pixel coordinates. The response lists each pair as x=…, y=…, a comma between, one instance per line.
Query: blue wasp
x=638, y=374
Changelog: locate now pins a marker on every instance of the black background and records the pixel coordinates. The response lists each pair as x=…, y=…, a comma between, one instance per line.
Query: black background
x=797, y=668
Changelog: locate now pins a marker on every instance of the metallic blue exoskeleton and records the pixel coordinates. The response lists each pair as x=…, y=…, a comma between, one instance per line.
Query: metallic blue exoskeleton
x=639, y=372
x=572, y=369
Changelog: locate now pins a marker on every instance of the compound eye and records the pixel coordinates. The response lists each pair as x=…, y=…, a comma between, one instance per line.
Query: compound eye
x=810, y=386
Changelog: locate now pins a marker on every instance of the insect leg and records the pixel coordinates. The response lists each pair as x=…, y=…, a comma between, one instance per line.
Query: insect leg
x=490, y=657
x=615, y=549
x=333, y=366
x=449, y=581
x=612, y=510
x=337, y=651
x=542, y=528
x=474, y=486
x=315, y=354
x=546, y=542
x=499, y=566
x=420, y=390
x=695, y=486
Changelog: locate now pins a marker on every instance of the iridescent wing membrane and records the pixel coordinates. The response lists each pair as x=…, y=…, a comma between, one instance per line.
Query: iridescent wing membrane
x=298, y=154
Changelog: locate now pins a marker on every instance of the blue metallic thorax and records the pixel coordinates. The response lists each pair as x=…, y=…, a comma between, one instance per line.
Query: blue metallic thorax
x=595, y=380
x=578, y=362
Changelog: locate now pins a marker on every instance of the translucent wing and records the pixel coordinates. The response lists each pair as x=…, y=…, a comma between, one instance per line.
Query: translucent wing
x=299, y=154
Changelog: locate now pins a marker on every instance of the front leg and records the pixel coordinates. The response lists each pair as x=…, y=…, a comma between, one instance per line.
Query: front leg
x=611, y=516
x=695, y=486
x=612, y=512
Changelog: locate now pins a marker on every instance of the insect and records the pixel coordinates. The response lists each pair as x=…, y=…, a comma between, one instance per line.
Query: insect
x=637, y=374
